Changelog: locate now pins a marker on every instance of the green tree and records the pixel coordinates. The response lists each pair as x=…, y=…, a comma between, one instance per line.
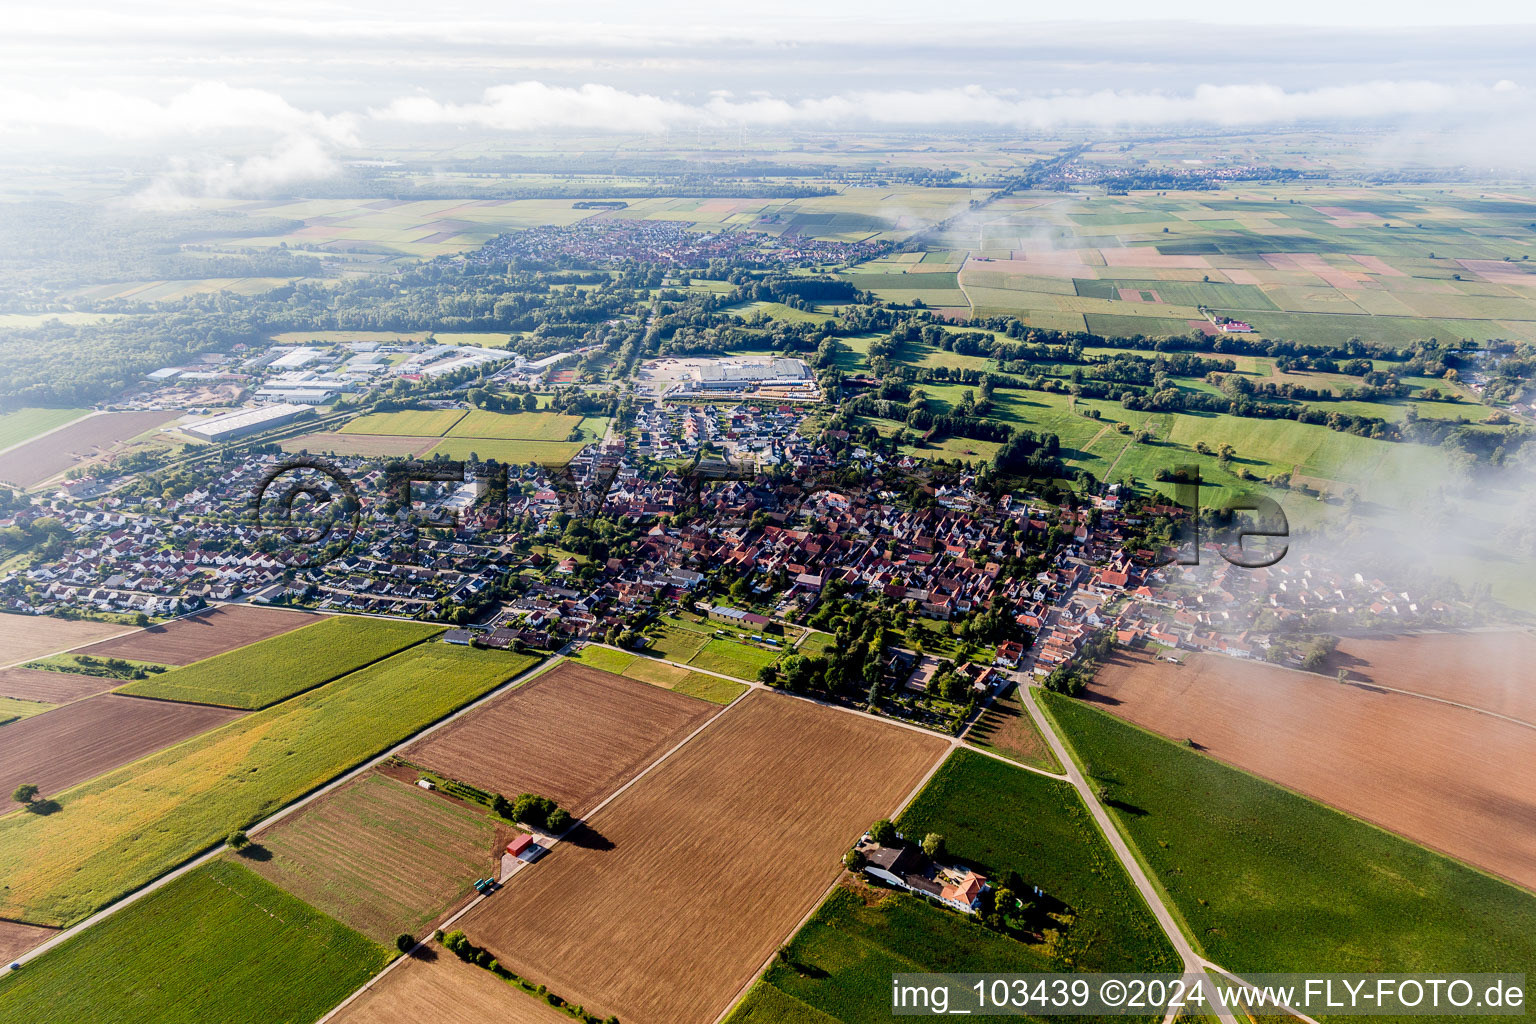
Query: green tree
x=883, y=832
x=933, y=845
x=238, y=840
x=25, y=793
x=405, y=942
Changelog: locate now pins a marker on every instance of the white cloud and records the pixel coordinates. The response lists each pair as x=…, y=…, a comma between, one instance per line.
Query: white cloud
x=297, y=158
x=529, y=106
x=201, y=109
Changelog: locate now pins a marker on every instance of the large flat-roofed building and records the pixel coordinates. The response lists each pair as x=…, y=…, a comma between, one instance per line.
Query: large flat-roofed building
x=245, y=421
x=295, y=359
x=728, y=374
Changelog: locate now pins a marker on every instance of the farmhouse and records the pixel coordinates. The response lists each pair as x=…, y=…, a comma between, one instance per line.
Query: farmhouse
x=907, y=867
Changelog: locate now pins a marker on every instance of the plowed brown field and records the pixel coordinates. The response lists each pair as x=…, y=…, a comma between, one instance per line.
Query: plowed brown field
x=687, y=882
x=183, y=641
x=445, y=990
x=67, y=745
x=575, y=734
x=1492, y=671
x=51, y=687
x=1453, y=779
x=16, y=938
x=24, y=637
x=81, y=441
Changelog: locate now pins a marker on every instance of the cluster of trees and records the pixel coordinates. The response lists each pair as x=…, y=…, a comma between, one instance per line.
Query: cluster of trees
x=532, y=809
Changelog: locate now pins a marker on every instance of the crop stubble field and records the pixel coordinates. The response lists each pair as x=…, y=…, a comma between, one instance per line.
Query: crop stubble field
x=124, y=828
x=445, y=990
x=1436, y=664
x=575, y=734
x=743, y=827
x=195, y=637
x=81, y=740
x=1453, y=779
x=380, y=855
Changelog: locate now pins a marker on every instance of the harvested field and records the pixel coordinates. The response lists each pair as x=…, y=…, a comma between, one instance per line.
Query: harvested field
x=183, y=641
x=50, y=687
x=337, y=442
x=24, y=637
x=380, y=855
x=16, y=938
x=1458, y=781
x=446, y=990
x=1492, y=671
x=711, y=859
x=84, y=439
x=574, y=734
x=80, y=741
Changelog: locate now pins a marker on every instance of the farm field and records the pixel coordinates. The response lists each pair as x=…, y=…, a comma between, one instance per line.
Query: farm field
x=840, y=963
x=682, y=680
x=218, y=944
x=574, y=734
x=25, y=424
x=380, y=855
x=1268, y=880
x=14, y=710
x=1311, y=264
x=25, y=637
x=694, y=644
x=82, y=740
x=50, y=687
x=599, y=922
x=29, y=464
x=1453, y=779
x=63, y=866
x=445, y=990
x=16, y=938
x=346, y=443
x=739, y=660
x=278, y=667
x=406, y=423
x=521, y=426
x=999, y=818
x=1005, y=727
x=202, y=635
x=511, y=452
x=1435, y=664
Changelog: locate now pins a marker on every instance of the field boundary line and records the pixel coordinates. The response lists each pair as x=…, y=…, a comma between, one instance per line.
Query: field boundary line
x=64, y=935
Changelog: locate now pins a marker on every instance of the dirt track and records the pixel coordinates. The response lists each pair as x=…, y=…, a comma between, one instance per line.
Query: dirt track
x=183, y=641
x=1461, y=782
x=684, y=885
x=68, y=745
x=575, y=735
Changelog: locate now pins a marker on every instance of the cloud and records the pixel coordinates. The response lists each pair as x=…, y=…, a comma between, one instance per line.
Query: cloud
x=200, y=109
x=531, y=106
x=297, y=158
